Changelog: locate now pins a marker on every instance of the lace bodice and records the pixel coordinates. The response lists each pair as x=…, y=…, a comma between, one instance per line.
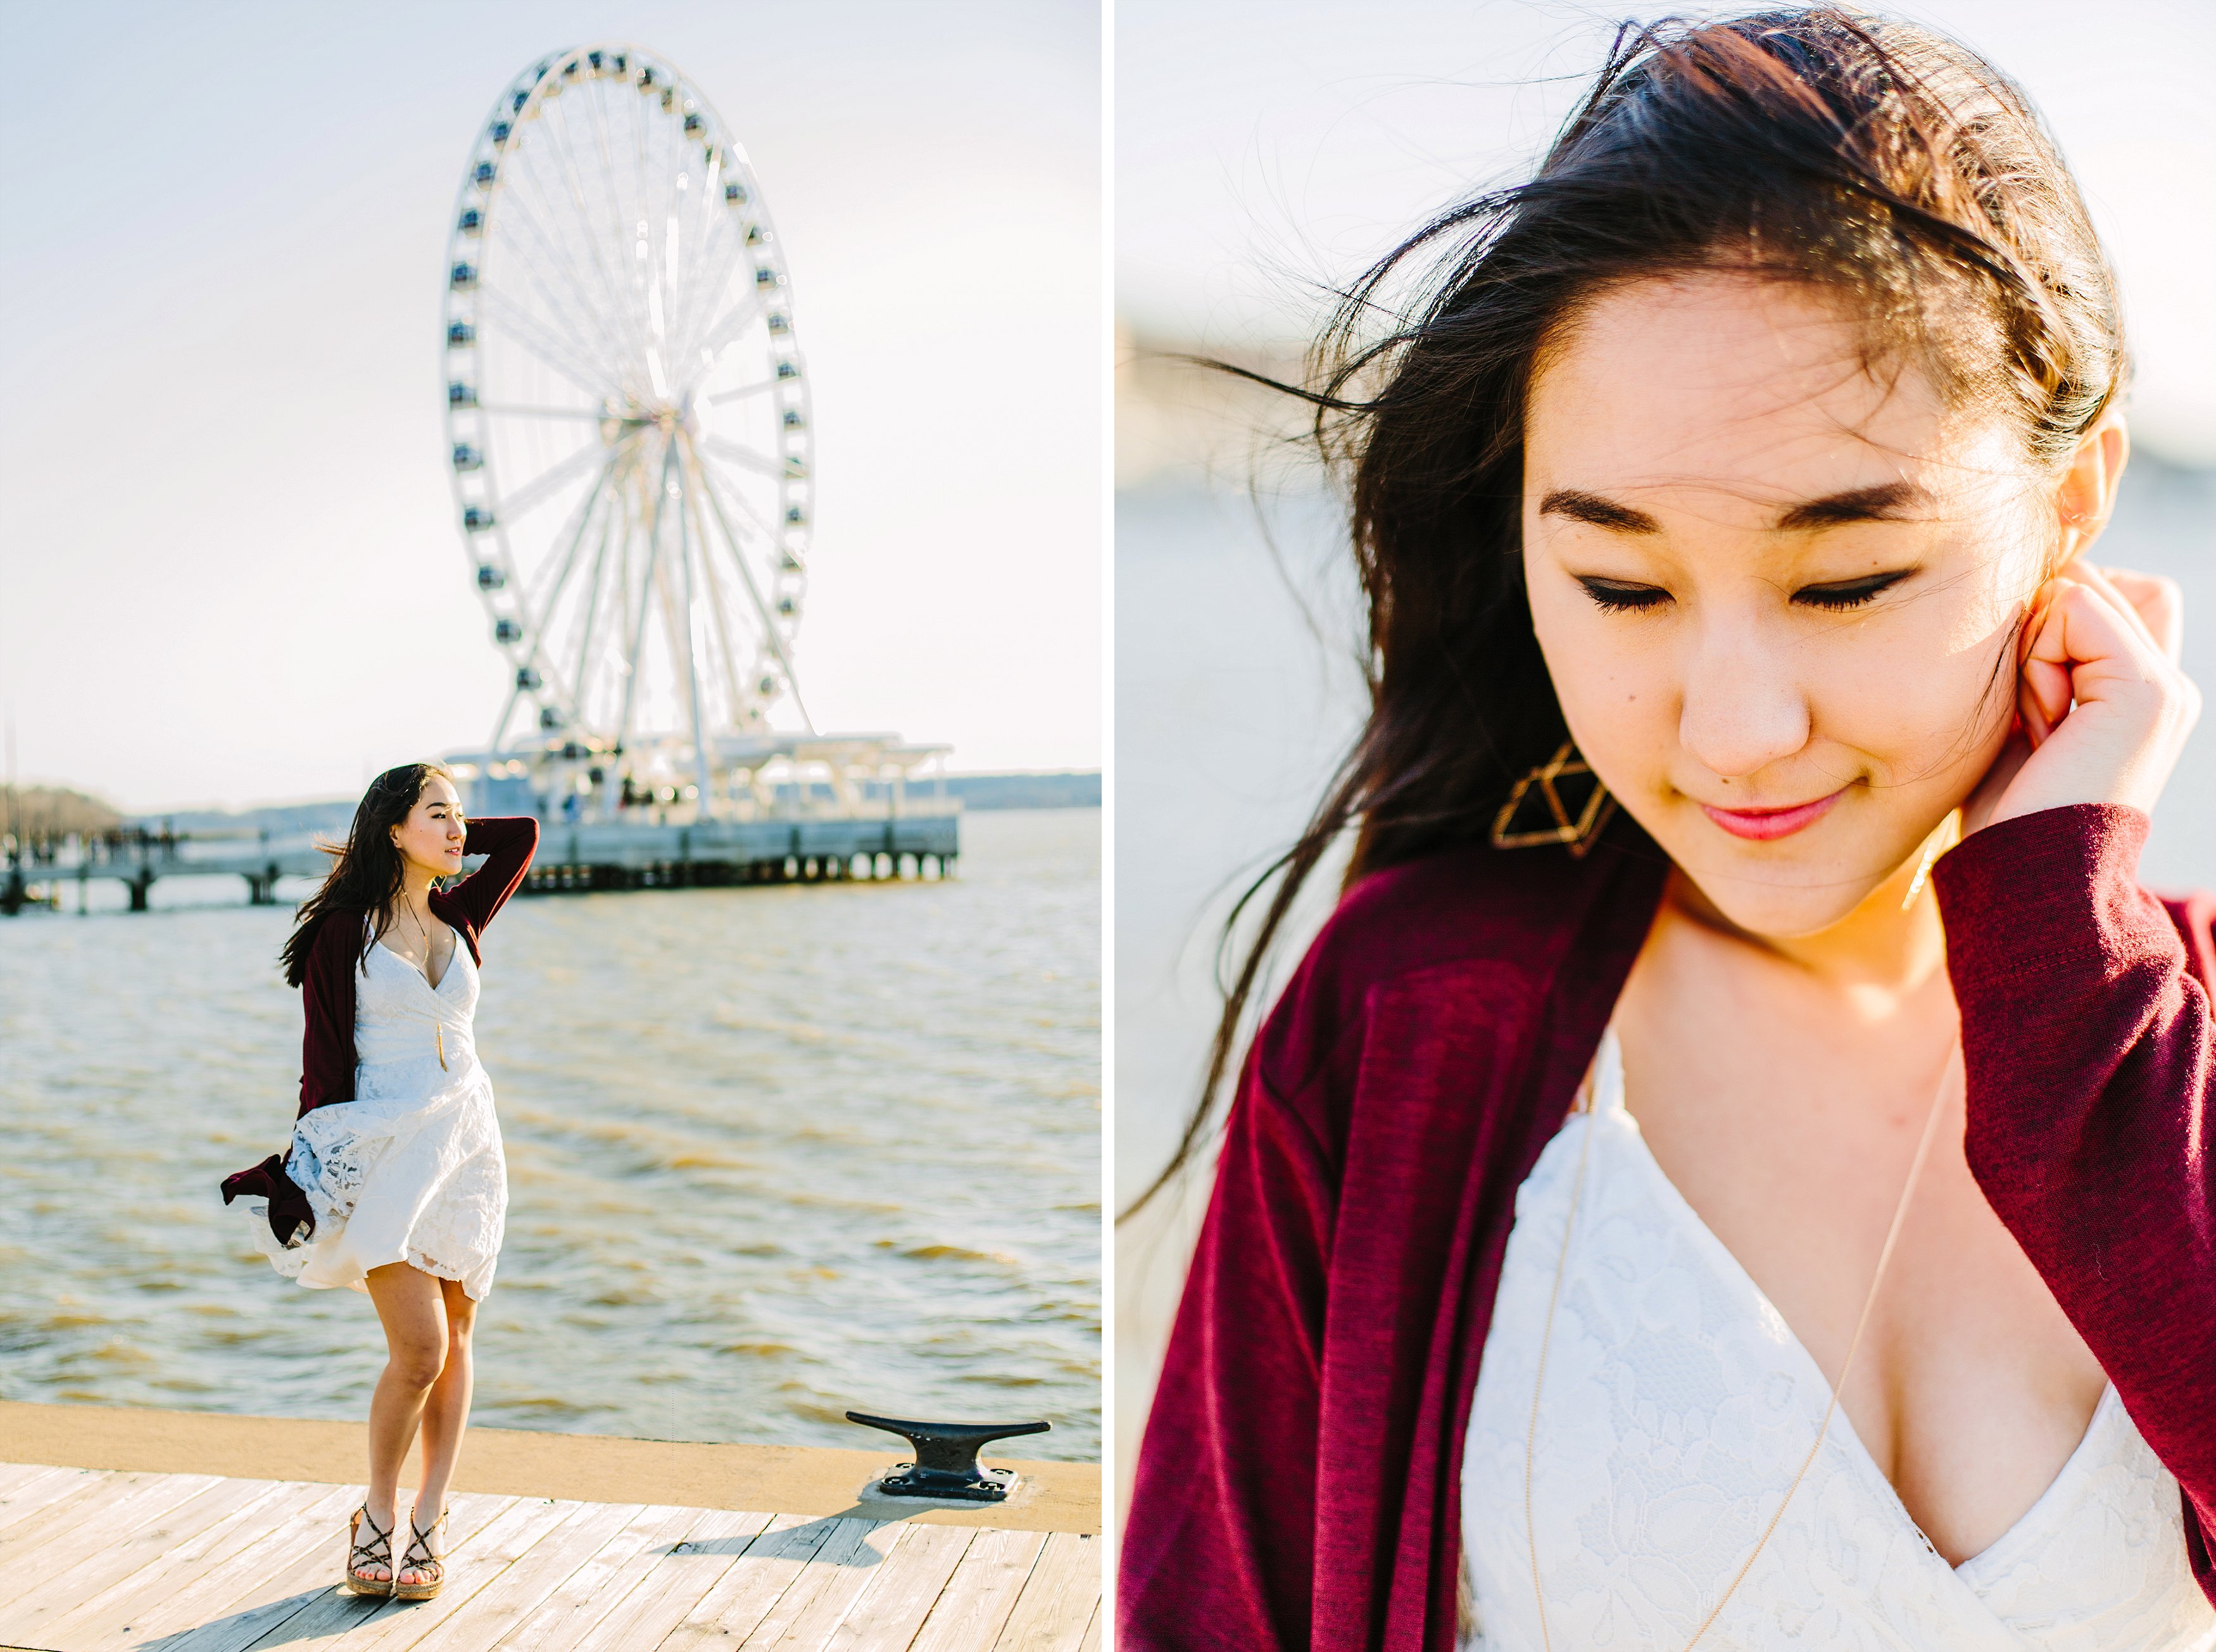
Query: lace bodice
x=402, y=1024
x=1677, y=1406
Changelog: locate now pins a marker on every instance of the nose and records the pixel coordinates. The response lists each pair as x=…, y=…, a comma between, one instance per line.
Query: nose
x=1743, y=706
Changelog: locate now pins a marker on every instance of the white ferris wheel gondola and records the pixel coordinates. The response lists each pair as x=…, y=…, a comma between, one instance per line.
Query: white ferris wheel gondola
x=628, y=426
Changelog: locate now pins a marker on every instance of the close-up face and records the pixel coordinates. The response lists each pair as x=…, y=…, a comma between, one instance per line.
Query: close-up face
x=432, y=835
x=1777, y=595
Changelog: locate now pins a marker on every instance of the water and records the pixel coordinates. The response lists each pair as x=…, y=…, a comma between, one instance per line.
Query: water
x=773, y=1152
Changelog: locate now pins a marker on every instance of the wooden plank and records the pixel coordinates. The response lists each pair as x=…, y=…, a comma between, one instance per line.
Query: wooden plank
x=308, y=1577
x=569, y=1611
x=476, y=1564
x=809, y=1612
x=306, y=1547
x=983, y=1592
x=495, y=1610
x=86, y=1491
x=901, y=1592
x=64, y=1534
x=48, y=1487
x=1057, y=1602
x=125, y=1609
x=1092, y=1641
x=743, y=1596
x=687, y=1570
x=14, y=1474
x=64, y=1588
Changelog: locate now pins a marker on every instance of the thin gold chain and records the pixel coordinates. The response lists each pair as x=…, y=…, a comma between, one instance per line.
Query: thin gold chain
x=1861, y=1324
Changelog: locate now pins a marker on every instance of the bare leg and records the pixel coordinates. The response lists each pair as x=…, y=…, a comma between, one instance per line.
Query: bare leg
x=446, y=1413
x=413, y=1311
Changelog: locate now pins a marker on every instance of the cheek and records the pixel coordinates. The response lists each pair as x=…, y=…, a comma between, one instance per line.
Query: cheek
x=1919, y=692
x=1614, y=678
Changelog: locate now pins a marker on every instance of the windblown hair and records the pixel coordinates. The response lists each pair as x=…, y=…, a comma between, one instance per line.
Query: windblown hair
x=1878, y=162
x=365, y=876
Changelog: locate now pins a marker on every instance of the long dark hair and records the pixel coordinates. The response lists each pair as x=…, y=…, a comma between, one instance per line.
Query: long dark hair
x=365, y=875
x=1876, y=160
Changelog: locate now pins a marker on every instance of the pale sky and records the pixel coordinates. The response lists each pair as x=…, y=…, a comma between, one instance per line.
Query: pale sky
x=229, y=567
x=1265, y=145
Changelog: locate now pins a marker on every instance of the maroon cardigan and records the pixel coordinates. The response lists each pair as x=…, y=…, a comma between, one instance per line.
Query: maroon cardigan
x=335, y=951
x=1298, y=1483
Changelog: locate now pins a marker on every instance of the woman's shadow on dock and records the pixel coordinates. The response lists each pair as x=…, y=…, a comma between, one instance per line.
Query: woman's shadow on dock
x=840, y=1539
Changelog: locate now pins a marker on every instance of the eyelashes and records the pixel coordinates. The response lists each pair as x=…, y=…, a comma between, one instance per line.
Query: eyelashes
x=1852, y=593
x=1622, y=598
x=1617, y=596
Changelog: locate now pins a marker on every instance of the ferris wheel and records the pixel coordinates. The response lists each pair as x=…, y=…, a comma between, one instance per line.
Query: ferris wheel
x=627, y=417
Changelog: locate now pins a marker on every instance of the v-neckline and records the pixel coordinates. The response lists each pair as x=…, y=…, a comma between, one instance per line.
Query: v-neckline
x=419, y=974
x=1608, y=1099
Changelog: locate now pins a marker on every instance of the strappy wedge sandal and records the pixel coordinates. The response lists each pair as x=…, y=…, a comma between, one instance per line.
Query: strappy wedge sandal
x=435, y=1564
x=366, y=1554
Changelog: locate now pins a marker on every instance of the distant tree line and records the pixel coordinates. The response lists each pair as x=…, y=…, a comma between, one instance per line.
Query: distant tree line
x=43, y=813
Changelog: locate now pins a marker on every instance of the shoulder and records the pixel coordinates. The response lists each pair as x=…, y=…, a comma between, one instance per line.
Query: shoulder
x=337, y=941
x=1471, y=924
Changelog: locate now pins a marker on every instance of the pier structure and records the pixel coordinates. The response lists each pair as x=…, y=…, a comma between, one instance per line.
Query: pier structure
x=788, y=808
x=780, y=850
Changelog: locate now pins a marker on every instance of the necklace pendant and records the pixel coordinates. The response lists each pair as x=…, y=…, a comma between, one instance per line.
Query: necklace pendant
x=439, y=1034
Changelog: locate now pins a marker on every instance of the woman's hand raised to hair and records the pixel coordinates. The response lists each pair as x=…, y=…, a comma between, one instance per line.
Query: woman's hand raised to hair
x=2104, y=708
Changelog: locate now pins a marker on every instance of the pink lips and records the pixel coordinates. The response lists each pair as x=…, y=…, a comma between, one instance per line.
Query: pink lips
x=1761, y=825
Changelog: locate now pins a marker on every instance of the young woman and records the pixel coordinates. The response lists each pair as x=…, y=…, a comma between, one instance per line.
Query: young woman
x=1734, y=1170
x=394, y=1184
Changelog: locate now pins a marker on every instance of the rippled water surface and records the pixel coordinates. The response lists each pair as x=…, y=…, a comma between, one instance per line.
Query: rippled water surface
x=771, y=1153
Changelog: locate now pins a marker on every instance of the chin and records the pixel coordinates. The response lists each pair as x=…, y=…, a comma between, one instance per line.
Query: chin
x=1797, y=903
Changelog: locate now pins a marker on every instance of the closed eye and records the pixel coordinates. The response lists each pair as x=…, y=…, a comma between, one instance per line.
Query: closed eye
x=1618, y=597
x=1849, y=593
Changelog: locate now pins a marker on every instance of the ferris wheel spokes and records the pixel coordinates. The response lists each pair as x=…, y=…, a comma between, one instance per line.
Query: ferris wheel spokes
x=645, y=588
x=541, y=341
x=520, y=503
x=593, y=413
x=772, y=631
x=533, y=629
x=577, y=314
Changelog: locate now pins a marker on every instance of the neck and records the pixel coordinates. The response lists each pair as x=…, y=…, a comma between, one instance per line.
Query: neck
x=415, y=888
x=1888, y=948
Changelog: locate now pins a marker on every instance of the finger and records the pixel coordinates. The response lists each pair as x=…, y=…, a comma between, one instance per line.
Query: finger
x=2042, y=689
x=2090, y=641
x=2046, y=695
x=2158, y=602
x=2097, y=580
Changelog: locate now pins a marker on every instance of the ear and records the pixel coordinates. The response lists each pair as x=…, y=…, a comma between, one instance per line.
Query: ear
x=2087, y=491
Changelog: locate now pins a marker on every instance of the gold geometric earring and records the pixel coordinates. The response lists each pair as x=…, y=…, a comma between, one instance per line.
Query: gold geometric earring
x=1575, y=821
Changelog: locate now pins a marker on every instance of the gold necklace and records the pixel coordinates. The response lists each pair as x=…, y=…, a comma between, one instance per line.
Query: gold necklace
x=1586, y=1104
x=437, y=1026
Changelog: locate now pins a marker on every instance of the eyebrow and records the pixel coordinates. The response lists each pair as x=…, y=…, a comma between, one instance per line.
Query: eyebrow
x=1881, y=504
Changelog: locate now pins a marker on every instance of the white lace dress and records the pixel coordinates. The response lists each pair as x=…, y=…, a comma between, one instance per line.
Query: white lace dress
x=1677, y=1407
x=411, y=1169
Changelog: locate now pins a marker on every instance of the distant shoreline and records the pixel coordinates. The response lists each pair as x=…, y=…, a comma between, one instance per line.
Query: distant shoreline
x=1075, y=788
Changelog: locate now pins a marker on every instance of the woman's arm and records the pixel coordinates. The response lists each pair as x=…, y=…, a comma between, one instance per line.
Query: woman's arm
x=1219, y=1546
x=327, y=1005
x=2091, y=1060
x=507, y=842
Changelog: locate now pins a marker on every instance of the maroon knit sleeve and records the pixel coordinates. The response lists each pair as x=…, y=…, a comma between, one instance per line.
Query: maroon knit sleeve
x=1219, y=1547
x=2091, y=1061
x=507, y=842
x=327, y=1002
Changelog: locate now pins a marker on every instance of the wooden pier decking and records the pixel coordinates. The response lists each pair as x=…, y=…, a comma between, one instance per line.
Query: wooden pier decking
x=98, y=1559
